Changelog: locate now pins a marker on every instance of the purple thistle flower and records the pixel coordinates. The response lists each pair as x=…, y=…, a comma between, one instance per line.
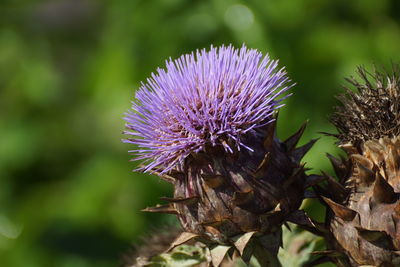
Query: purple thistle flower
x=207, y=98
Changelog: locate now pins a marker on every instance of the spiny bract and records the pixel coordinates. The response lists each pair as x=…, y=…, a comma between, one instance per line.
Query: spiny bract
x=364, y=214
x=206, y=124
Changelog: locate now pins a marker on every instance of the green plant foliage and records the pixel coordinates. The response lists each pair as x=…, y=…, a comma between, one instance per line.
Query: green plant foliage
x=181, y=256
x=297, y=247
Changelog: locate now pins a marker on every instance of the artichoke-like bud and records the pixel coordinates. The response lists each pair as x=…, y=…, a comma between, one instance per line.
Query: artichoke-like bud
x=206, y=124
x=364, y=214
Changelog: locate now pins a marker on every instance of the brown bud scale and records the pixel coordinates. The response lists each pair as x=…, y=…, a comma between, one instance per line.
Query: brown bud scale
x=219, y=196
x=372, y=237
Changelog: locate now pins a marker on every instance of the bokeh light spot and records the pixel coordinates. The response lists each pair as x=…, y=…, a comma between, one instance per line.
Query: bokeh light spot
x=239, y=17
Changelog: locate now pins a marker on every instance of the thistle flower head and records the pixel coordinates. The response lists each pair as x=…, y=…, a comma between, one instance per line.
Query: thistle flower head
x=203, y=99
x=373, y=111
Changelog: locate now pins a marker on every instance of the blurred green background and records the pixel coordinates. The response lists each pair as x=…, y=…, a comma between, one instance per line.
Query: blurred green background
x=69, y=69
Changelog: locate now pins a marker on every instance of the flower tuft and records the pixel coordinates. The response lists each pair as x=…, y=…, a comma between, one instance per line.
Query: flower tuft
x=203, y=99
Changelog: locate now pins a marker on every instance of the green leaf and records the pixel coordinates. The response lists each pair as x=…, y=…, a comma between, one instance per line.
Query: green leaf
x=297, y=246
x=181, y=256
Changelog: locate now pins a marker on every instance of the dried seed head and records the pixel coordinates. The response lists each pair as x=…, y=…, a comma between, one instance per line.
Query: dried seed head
x=373, y=111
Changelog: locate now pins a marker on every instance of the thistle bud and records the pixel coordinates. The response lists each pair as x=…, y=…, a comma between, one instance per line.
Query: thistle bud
x=364, y=214
x=206, y=124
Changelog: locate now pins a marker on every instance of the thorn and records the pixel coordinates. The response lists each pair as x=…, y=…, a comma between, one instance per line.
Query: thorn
x=270, y=134
x=264, y=163
x=338, y=190
x=181, y=200
x=242, y=241
x=168, y=208
x=292, y=141
x=329, y=134
x=298, y=153
x=241, y=198
x=218, y=254
x=171, y=177
x=341, y=211
x=287, y=226
x=378, y=238
x=383, y=192
x=301, y=219
x=366, y=175
x=278, y=208
x=370, y=235
x=296, y=174
x=338, y=166
x=181, y=239
x=312, y=180
x=213, y=180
